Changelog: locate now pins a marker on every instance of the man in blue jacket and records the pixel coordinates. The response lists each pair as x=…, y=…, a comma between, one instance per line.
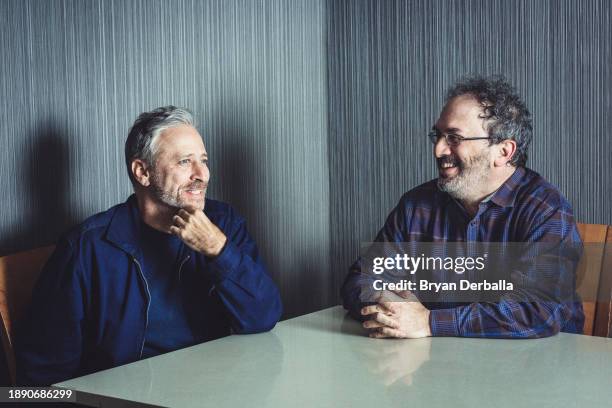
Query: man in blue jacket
x=164, y=270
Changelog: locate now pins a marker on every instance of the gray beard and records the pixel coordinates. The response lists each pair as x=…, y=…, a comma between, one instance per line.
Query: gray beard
x=166, y=197
x=161, y=194
x=464, y=186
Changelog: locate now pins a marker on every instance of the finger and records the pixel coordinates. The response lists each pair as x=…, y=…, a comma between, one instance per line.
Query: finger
x=390, y=332
x=378, y=308
x=408, y=295
x=389, y=296
x=391, y=302
x=190, y=209
x=386, y=320
x=178, y=221
x=183, y=214
x=392, y=307
x=175, y=230
x=377, y=335
x=404, y=293
x=372, y=324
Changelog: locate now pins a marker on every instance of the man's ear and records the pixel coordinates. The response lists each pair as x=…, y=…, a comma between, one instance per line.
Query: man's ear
x=141, y=173
x=505, y=151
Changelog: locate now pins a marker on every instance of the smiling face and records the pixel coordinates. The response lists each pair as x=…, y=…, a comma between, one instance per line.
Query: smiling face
x=179, y=176
x=463, y=169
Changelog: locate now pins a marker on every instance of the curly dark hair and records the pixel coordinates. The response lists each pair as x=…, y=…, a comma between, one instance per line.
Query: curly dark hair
x=506, y=114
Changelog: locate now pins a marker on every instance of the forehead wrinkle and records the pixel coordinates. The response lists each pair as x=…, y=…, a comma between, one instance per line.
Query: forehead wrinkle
x=179, y=155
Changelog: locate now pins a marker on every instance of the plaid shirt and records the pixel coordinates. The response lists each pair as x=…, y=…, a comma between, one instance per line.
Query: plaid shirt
x=526, y=208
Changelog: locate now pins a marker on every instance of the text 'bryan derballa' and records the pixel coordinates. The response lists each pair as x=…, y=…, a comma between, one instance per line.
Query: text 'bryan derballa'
x=413, y=264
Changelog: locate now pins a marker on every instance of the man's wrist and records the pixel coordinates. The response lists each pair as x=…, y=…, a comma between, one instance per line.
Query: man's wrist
x=224, y=264
x=216, y=249
x=428, y=324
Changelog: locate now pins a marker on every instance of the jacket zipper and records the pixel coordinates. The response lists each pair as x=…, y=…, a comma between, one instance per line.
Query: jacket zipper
x=181, y=266
x=148, y=304
x=149, y=296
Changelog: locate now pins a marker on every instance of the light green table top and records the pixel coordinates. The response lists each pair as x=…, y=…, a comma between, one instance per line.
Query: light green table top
x=323, y=359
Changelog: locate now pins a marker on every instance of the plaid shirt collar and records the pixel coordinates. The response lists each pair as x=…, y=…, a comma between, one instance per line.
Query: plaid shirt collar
x=506, y=194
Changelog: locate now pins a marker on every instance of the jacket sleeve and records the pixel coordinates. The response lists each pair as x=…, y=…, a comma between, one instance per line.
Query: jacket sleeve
x=243, y=284
x=48, y=342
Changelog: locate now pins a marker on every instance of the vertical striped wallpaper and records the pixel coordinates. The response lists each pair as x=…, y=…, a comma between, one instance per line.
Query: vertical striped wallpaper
x=314, y=112
x=76, y=73
x=390, y=62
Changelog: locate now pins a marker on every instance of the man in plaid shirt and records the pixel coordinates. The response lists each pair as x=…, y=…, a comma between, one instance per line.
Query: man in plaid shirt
x=484, y=193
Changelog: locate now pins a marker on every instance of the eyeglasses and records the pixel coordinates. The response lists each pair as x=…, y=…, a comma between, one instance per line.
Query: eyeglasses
x=451, y=138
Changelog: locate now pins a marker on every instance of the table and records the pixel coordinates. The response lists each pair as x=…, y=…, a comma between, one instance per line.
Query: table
x=323, y=359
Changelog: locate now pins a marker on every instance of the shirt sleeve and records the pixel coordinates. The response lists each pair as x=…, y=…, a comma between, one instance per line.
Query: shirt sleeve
x=544, y=300
x=243, y=284
x=48, y=342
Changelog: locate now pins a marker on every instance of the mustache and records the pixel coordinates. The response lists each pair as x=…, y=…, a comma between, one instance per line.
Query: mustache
x=196, y=185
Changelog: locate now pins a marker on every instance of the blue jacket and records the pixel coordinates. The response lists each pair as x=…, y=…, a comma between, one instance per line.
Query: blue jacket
x=89, y=308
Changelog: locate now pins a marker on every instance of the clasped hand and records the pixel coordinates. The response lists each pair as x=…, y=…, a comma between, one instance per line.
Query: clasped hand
x=397, y=314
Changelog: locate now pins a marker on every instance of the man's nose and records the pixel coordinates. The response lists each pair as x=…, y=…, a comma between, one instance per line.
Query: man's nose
x=441, y=148
x=200, y=171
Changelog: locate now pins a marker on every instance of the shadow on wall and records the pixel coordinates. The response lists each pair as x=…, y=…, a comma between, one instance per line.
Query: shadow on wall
x=46, y=177
x=247, y=172
x=235, y=174
x=237, y=179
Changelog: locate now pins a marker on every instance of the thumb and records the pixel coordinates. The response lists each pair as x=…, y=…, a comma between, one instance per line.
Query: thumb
x=407, y=295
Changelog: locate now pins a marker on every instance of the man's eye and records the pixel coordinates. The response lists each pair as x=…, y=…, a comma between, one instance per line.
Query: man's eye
x=184, y=161
x=453, y=139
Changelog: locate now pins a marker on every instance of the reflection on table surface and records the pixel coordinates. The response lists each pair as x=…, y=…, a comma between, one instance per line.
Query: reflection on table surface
x=324, y=359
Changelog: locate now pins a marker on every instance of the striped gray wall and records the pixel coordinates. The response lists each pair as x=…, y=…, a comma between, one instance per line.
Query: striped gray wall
x=389, y=63
x=75, y=74
x=314, y=111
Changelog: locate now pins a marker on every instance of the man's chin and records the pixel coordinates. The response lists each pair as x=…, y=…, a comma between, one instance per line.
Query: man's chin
x=198, y=203
x=445, y=179
x=448, y=184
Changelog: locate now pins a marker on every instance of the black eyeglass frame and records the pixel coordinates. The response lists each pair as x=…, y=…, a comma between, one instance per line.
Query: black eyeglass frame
x=434, y=136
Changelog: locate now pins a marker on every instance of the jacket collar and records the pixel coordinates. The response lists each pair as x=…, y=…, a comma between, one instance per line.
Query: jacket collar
x=124, y=228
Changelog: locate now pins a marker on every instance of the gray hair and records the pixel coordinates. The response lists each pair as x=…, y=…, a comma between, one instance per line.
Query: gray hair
x=141, y=140
x=506, y=114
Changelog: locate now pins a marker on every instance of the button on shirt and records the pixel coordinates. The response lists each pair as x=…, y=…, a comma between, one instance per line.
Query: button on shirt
x=527, y=209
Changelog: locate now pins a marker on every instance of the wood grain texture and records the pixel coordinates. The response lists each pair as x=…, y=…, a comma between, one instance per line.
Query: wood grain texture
x=589, y=272
x=390, y=63
x=75, y=75
x=18, y=274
